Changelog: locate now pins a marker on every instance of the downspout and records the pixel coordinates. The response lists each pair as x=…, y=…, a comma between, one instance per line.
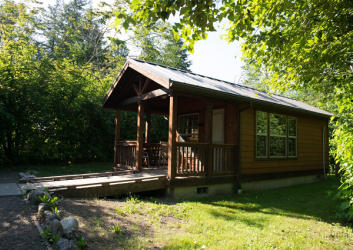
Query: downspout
x=323, y=150
x=239, y=146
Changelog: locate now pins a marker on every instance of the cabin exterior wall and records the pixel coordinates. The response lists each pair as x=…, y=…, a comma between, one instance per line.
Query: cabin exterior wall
x=309, y=158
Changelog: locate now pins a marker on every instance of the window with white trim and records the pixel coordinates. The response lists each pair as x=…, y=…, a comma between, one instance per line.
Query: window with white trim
x=261, y=134
x=276, y=135
x=188, y=128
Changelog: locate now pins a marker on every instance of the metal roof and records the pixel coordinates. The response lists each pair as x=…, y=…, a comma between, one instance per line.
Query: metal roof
x=179, y=79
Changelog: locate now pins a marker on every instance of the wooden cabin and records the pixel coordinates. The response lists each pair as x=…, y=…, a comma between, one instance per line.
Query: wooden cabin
x=223, y=137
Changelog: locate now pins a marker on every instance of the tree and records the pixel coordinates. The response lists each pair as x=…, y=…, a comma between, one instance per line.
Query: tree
x=302, y=44
x=158, y=45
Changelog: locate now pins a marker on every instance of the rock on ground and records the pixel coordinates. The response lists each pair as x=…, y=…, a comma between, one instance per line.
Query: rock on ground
x=72, y=234
x=33, y=201
x=69, y=222
x=65, y=244
x=56, y=228
x=47, y=216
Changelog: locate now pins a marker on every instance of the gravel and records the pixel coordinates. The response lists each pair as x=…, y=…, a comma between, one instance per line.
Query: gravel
x=17, y=230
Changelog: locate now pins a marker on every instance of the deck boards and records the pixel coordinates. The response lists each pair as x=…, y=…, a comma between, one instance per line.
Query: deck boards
x=105, y=186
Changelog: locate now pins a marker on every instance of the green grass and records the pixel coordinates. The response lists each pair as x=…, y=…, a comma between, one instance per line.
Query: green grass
x=298, y=217
x=63, y=169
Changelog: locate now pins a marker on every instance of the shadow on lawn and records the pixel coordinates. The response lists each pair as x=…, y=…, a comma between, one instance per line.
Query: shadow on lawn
x=306, y=201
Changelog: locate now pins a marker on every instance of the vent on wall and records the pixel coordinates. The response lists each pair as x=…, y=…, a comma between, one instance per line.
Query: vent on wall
x=202, y=190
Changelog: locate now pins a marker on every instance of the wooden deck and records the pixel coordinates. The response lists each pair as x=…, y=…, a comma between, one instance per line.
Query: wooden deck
x=88, y=187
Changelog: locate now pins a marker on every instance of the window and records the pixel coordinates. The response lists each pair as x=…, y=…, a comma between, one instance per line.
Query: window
x=261, y=134
x=292, y=136
x=276, y=135
x=188, y=128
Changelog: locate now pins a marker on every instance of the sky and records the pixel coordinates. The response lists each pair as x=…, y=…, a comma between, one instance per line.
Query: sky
x=213, y=57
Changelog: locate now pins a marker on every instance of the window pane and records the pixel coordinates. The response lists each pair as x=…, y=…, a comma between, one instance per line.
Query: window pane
x=292, y=146
x=261, y=142
x=188, y=127
x=292, y=126
x=278, y=125
x=261, y=123
x=277, y=146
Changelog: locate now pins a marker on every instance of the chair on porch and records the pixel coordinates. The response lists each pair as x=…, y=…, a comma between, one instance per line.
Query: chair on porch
x=163, y=155
x=145, y=159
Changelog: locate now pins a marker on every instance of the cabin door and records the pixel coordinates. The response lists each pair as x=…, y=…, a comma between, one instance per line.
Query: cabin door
x=218, y=136
x=218, y=126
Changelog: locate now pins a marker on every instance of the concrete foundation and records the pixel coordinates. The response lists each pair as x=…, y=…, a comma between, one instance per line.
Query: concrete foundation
x=192, y=192
x=270, y=184
x=185, y=193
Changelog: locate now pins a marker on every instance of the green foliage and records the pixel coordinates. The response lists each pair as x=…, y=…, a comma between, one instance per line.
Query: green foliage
x=56, y=211
x=116, y=229
x=120, y=212
x=158, y=45
x=81, y=243
x=50, y=200
x=49, y=237
x=50, y=96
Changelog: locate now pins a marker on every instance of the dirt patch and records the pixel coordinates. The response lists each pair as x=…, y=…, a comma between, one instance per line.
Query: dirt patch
x=17, y=230
x=116, y=224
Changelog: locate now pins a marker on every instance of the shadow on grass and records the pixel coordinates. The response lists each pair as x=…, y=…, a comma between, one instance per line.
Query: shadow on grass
x=306, y=201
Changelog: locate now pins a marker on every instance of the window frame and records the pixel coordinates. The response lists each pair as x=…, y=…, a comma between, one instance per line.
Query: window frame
x=268, y=135
x=291, y=136
x=261, y=134
x=189, y=134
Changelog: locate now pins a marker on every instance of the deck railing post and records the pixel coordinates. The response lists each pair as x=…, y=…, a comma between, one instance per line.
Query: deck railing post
x=139, y=144
x=208, y=136
x=117, y=135
x=172, y=136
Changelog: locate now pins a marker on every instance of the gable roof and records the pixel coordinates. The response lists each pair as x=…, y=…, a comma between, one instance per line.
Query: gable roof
x=172, y=78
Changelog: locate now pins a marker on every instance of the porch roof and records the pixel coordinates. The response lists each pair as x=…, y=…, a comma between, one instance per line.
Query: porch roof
x=175, y=79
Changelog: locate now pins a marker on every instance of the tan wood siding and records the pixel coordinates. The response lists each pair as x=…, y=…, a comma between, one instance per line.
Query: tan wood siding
x=309, y=145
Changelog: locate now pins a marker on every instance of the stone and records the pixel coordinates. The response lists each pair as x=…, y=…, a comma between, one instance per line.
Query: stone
x=47, y=216
x=27, y=177
x=65, y=244
x=21, y=174
x=43, y=207
x=33, y=197
x=72, y=234
x=69, y=222
x=56, y=228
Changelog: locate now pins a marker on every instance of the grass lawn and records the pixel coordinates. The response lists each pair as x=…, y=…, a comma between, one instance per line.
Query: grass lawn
x=54, y=170
x=297, y=217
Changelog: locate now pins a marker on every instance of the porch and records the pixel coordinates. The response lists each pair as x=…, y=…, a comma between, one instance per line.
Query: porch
x=202, y=133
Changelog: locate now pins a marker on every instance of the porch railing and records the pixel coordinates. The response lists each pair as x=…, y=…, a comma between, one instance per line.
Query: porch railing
x=126, y=154
x=223, y=158
x=193, y=159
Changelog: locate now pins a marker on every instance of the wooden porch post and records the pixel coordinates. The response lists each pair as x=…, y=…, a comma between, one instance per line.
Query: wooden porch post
x=117, y=134
x=208, y=136
x=172, y=137
x=139, y=144
x=148, y=128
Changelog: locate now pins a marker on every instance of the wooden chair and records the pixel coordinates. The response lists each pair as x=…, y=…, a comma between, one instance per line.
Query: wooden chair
x=163, y=156
x=145, y=159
